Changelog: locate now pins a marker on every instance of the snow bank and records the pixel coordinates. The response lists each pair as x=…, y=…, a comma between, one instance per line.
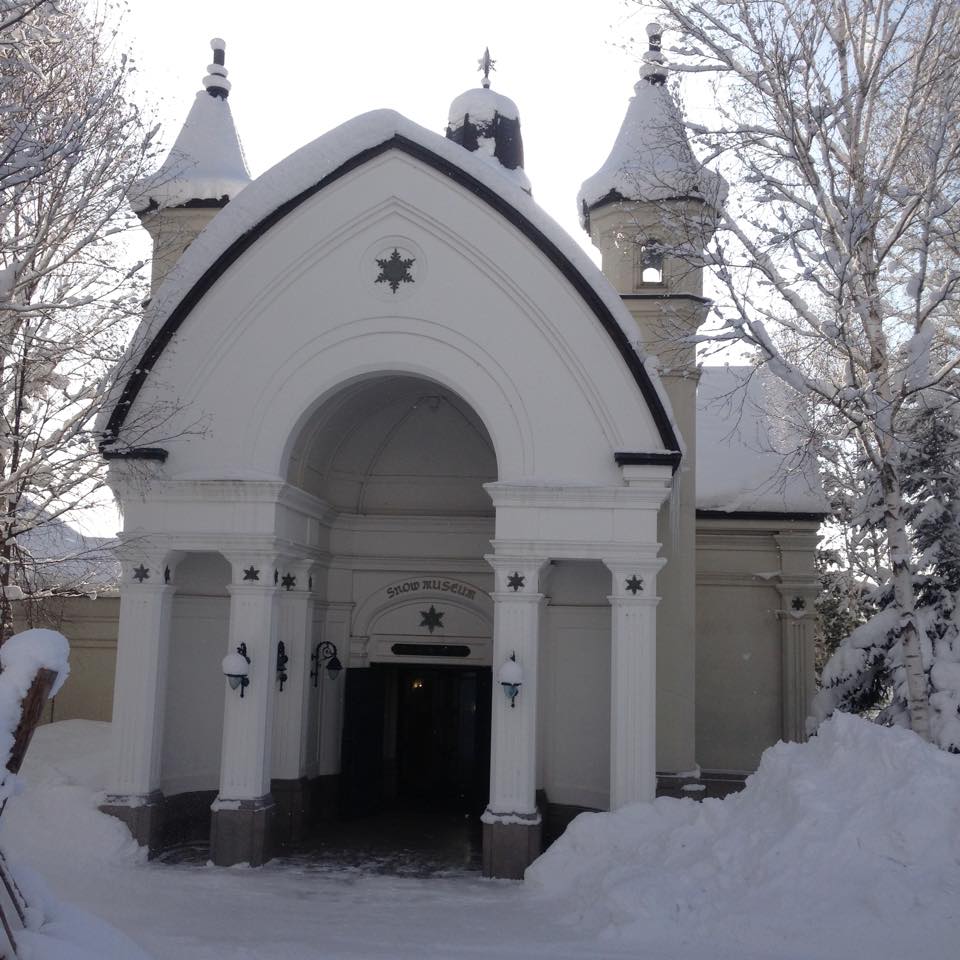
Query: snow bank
x=66, y=768
x=846, y=845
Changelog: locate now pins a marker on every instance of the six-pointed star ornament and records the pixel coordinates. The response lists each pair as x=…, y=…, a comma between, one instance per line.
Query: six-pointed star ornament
x=141, y=573
x=288, y=581
x=251, y=573
x=516, y=581
x=395, y=270
x=634, y=584
x=432, y=618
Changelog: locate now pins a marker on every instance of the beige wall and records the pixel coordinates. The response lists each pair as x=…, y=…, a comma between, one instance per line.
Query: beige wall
x=91, y=628
x=743, y=588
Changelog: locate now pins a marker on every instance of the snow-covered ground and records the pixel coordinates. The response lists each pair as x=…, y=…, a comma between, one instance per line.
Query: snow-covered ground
x=847, y=846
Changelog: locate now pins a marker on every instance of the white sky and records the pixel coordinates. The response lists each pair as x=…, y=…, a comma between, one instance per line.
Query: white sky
x=299, y=69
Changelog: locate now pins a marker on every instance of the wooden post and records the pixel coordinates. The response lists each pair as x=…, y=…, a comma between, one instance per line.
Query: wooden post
x=31, y=707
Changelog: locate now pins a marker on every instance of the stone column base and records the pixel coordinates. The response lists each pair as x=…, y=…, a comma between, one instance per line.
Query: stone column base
x=241, y=831
x=293, y=814
x=143, y=817
x=510, y=844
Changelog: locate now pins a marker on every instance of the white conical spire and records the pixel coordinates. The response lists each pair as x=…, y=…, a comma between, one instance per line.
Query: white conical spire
x=205, y=166
x=651, y=159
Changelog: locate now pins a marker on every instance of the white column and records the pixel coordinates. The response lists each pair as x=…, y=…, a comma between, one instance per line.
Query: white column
x=143, y=641
x=513, y=747
x=248, y=720
x=633, y=681
x=292, y=703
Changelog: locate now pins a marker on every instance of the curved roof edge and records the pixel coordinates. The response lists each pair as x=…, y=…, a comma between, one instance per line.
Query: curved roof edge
x=267, y=201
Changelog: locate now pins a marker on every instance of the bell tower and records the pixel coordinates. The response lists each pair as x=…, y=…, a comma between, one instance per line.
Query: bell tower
x=650, y=210
x=204, y=170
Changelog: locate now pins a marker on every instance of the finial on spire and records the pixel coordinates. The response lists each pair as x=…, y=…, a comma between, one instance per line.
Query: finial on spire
x=216, y=82
x=654, y=69
x=486, y=64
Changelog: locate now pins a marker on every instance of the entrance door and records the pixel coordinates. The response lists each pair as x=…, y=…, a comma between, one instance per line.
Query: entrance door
x=443, y=736
x=417, y=735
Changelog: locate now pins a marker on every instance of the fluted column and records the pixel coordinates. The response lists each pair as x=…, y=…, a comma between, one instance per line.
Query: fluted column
x=241, y=826
x=511, y=820
x=143, y=642
x=633, y=681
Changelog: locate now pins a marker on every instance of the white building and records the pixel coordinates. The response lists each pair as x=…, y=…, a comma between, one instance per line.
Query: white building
x=412, y=427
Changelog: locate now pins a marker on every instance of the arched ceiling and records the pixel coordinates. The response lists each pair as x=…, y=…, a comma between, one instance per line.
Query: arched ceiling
x=396, y=445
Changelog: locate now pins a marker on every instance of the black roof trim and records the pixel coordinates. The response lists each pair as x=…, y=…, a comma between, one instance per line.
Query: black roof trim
x=136, y=453
x=626, y=458
x=761, y=515
x=397, y=142
x=666, y=296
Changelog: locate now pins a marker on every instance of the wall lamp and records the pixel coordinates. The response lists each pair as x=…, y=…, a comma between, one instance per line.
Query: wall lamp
x=325, y=652
x=282, y=660
x=236, y=668
x=511, y=678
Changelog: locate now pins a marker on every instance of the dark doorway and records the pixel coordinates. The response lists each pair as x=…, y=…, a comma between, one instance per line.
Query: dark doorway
x=416, y=736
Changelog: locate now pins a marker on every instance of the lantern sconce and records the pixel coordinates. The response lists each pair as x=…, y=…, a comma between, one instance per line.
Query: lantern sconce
x=511, y=678
x=282, y=660
x=325, y=652
x=236, y=668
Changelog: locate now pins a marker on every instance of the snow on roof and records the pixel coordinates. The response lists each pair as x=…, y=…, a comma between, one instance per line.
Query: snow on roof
x=481, y=103
x=206, y=162
x=307, y=166
x=751, y=454
x=651, y=158
x=495, y=120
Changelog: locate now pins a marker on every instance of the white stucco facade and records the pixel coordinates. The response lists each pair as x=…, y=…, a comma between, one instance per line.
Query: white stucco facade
x=407, y=426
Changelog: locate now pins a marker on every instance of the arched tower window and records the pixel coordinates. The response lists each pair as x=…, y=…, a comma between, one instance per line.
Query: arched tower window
x=650, y=263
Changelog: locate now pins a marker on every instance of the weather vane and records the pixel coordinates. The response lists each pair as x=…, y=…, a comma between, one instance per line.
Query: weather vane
x=486, y=64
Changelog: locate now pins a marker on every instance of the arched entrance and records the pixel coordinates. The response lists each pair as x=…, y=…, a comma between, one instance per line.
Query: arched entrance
x=400, y=462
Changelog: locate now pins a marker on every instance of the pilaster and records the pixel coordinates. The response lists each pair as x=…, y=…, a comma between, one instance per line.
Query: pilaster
x=633, y=680
x=133, y=793
x=799, y=586
x=293, y=699
x=242, y=813
x=511, y=838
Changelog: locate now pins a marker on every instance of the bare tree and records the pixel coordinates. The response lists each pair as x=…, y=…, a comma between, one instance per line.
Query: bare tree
x=71, y=145
x=839, y=134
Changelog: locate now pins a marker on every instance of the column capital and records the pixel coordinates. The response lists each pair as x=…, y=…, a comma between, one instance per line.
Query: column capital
x=634, y=580
x=252, y=568
x=516, y=577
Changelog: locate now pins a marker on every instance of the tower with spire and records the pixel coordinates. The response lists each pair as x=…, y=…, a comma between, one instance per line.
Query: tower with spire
x=650, y=210
x=204, y=170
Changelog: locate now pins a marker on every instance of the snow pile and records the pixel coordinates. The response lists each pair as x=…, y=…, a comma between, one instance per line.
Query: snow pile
x=651, y=158
x=66, y=767
x=55, y=823
x=846, y=845
x=751, y=453
x=21, y=658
